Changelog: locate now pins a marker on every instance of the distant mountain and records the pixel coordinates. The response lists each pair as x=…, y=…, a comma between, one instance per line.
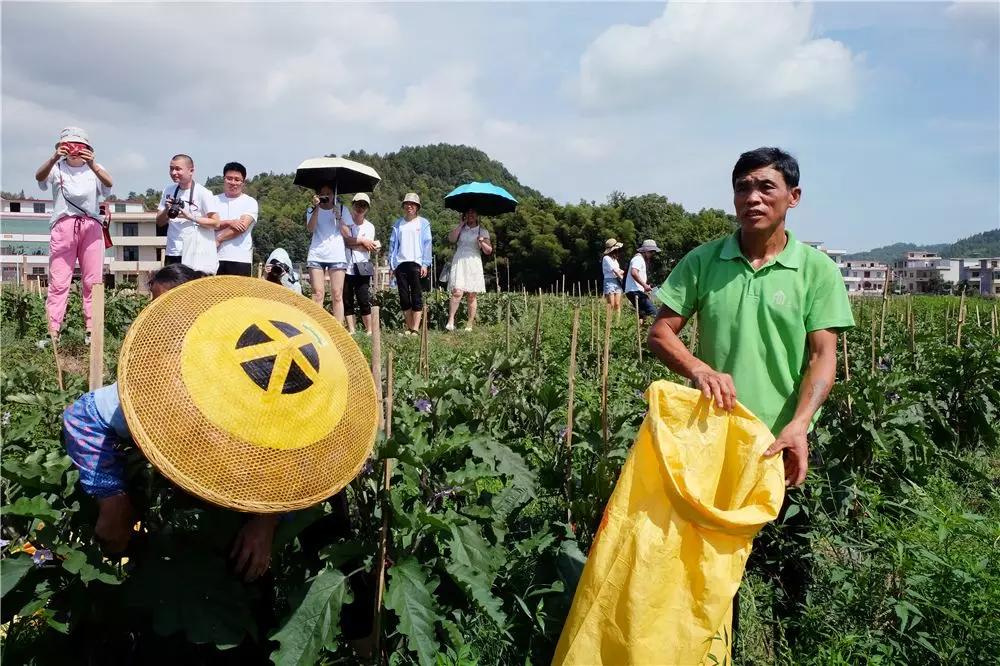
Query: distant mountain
x=985, y=244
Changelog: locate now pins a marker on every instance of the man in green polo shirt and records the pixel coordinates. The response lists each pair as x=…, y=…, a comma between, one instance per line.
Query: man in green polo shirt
x=769, y=312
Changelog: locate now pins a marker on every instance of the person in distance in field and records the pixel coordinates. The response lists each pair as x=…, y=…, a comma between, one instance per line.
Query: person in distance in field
x=612, y=274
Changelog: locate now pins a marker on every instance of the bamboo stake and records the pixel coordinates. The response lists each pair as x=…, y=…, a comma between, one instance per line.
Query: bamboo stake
x=55, y=352
x=508, y=326
x=993, y=321
x=979, y=322
x=507, y=266
x=538, y=331
x=638, y=330
x=874, y=341
x=569, y=415
x=885, y=305
x=605, y=359
x=426, y=343
x=961, y=320
x=909, y=323
x=847, y=372
x=496, y=273
x=693, y=341
x=377, y=360
x=593, y=326
x=389, y=379
x=97, y=337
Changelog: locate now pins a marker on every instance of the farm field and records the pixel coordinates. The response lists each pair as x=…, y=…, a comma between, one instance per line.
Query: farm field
x=492, y=507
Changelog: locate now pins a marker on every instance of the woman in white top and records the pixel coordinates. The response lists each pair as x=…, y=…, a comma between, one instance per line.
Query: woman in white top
x=75, y=233
x=327, y=257
x=612, y=273
x=466, y=276
x=359, y=235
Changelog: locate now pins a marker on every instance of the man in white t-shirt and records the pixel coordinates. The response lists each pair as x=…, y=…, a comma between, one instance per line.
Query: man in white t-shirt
x=184, y=208
x=237, y=217
x=636, y=286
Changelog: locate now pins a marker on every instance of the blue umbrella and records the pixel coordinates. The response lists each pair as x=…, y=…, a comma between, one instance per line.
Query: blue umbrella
x=486, y=198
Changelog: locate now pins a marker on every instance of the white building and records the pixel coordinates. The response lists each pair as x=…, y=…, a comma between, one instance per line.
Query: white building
x=138, y=244
x=864, y=277
x=919, y=270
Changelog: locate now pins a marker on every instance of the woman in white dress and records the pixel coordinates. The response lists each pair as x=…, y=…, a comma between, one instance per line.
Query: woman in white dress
x=466, y=275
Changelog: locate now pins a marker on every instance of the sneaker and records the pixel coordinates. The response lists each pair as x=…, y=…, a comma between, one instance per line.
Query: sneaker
x=468, y=329
x=449, y=327
x=86, y=339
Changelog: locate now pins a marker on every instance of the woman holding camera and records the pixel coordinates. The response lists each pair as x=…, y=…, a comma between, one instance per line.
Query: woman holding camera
x=327, y=258
x=466, y=276
x=359, y=235
x=75, y=234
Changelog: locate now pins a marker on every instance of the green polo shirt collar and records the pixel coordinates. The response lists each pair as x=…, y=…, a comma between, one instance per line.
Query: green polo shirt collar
x=790, y=257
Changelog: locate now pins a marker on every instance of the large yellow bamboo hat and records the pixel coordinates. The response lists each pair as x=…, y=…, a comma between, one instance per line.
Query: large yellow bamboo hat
x=247, y=394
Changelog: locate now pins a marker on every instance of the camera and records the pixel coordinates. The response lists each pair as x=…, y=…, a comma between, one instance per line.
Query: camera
x=174, y=207
x=324, y=199
x=275, y=271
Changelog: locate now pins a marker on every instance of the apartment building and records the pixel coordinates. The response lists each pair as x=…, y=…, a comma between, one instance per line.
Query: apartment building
x=138, y=244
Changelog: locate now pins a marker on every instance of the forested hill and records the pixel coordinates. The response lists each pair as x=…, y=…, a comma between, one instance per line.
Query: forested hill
x=984, y=244
x=541, y=241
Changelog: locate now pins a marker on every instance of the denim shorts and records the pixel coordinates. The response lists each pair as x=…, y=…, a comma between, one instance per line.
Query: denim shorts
x=328, y=265
x=612, y=286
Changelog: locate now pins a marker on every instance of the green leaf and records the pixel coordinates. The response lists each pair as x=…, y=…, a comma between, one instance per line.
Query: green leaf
x=193, y=593
x=36, y=507
x=409, y=595
x=12, y=570
x=315, y=623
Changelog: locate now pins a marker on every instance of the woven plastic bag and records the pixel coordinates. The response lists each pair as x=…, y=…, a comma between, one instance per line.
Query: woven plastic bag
x=199, y=249
x=669, y=554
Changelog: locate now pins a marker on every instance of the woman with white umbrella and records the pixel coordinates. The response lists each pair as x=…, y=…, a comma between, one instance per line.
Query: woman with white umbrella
x=327, y=259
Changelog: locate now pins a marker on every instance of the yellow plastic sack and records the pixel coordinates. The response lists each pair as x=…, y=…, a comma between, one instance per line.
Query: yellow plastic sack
x=669, y=555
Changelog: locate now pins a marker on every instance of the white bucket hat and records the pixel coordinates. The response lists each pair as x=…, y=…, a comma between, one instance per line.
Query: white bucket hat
x=361, y=196
x=648, y=245
x=412, y=197
x=73, y=135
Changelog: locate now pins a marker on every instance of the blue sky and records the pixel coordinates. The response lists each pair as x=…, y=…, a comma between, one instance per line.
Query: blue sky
x=892, y=108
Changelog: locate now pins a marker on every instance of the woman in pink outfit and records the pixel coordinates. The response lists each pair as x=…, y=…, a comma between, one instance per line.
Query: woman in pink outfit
x=75, y=232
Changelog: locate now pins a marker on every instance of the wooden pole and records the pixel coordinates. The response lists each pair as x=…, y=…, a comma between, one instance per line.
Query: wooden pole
x=507, y=266
x=693, y=340
x=55, y=352
x=885, y=305
x=386, y=503
x=638, y=330
x=508, y=327
x=961, y=320
x=496, y=273
x=874, y=342
x=538, y=331
x=425, y=345
x=377, y=360
x=909, y=324
x=389, y=379
x=979, y=322
x=97, y=337
x=569, y=415
x=994, y=321
x=605, y=360
x=847, y=371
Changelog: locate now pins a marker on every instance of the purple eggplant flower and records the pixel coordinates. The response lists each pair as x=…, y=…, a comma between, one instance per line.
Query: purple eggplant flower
x=494, y=390
x=562, y=434
x=41, y=556
x=422, y=405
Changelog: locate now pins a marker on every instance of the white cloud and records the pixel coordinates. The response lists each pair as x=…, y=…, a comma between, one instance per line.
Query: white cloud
x=980, y=21
x=721, y=53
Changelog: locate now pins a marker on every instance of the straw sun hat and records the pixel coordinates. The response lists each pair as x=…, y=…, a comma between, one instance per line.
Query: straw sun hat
x=611, y=245
x=247, y=395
